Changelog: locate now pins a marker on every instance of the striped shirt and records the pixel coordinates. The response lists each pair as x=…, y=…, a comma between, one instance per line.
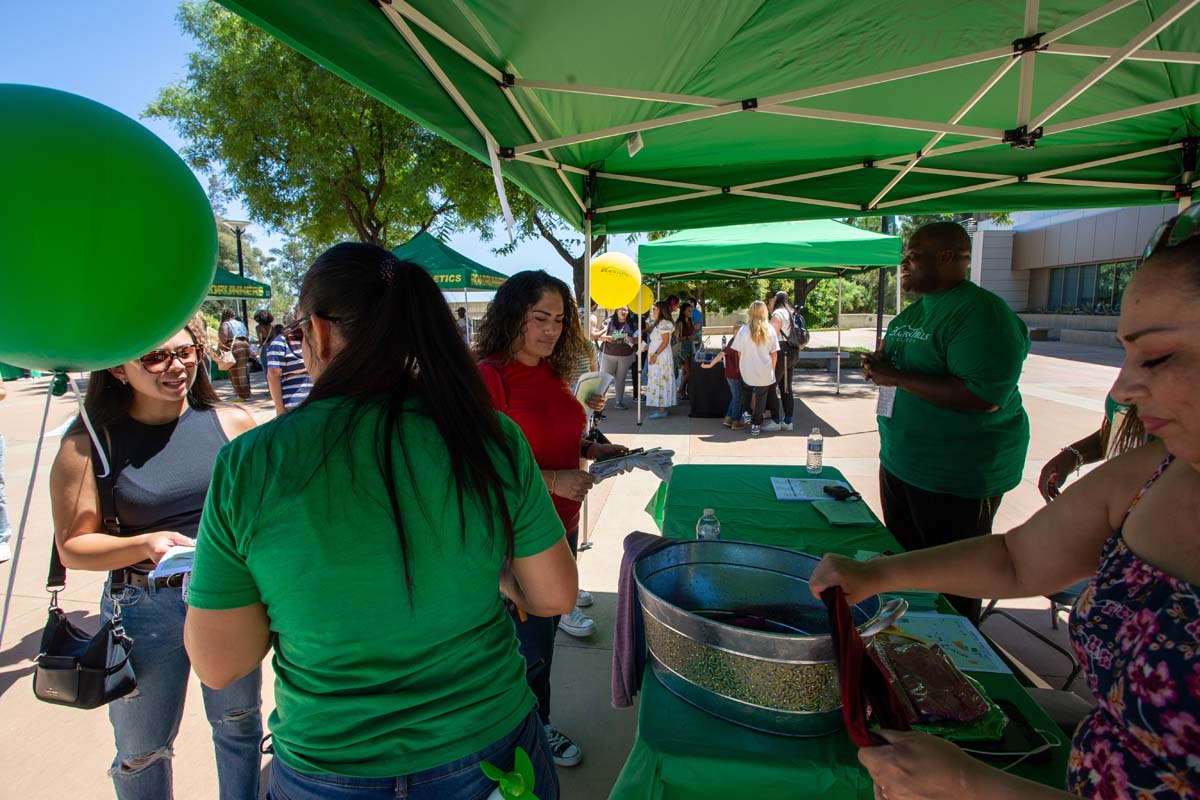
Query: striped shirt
x=293, y=376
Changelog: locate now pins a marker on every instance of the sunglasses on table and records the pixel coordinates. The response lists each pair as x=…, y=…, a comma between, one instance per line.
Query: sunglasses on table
x=160, y=360
x=1174, y=231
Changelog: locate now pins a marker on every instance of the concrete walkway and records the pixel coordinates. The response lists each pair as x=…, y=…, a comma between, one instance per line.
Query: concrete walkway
x=1063, y=385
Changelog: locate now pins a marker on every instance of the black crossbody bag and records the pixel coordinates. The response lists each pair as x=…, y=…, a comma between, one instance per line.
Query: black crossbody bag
x=75, y=668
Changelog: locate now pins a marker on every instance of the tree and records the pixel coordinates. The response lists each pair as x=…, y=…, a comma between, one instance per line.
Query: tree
x=286, y=272
x=310, y=153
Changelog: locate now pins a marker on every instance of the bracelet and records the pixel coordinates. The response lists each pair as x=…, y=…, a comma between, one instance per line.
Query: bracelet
x=584, y=448
x=1078, y=457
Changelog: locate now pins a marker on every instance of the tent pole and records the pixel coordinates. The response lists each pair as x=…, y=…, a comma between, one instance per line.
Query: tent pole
x=839, y=334
x=467, y=308
x=585, y=304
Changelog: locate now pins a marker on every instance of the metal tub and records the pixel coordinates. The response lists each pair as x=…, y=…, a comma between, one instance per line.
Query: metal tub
x=779, y=675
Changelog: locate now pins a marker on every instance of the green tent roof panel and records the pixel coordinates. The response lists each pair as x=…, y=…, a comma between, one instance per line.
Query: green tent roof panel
x=228, y=284
x=451, y=270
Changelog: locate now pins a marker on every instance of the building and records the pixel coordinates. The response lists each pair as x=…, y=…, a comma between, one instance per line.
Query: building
x=1064, y=271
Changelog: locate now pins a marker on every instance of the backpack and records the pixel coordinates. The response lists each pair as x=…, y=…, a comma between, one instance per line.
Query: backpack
x=798, y=334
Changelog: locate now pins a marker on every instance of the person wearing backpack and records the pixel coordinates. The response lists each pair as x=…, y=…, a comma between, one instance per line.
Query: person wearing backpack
x=793, y=335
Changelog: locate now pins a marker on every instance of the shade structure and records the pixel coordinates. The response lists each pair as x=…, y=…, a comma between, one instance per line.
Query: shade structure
x=230, y=285
x=790, y=250
x=764, y=110
x=450, y=269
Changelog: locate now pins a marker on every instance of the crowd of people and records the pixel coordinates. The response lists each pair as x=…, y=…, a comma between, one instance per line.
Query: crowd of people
x=401, y=538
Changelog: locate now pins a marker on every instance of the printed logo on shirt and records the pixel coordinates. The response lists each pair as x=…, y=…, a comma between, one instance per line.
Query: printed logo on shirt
x=907, y=333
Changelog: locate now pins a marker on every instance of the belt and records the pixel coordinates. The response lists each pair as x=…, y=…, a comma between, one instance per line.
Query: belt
x=142, y=580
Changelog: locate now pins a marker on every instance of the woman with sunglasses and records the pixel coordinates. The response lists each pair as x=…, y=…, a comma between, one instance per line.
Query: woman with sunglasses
x=288, y=380
x=159, y=423
x=529, y=338
x=1132, y=528
x=367, y=536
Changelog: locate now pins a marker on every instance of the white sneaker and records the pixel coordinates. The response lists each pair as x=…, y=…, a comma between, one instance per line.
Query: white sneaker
x=566, y=753
x=584, y=599
x=787, y=426
x=577, y=624
x=770, y=426
x=5, y=552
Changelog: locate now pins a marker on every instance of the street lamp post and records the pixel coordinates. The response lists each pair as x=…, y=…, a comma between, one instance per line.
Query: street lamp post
x=239, y=227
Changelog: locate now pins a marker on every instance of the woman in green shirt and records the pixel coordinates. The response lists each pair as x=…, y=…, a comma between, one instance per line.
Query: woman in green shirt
x=366, y=538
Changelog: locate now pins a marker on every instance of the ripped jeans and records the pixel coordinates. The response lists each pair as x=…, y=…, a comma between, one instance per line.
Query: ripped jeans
x=146, y=722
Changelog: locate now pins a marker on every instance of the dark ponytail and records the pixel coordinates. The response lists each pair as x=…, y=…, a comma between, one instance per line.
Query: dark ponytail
x=400, y=343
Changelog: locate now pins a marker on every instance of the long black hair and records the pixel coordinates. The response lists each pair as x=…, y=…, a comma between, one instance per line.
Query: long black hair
x=615, y=324
x=399, y=343
x=108, y=400
x=504, y=323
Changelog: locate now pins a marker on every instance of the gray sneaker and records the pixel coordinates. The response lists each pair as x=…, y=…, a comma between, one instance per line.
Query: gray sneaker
x=577, y=624
x=787, y=426
x=770, y=426
x=755, y=429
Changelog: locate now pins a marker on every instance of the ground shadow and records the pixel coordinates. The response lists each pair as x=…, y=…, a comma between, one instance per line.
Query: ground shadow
x=27, y=649
x=1081, y=353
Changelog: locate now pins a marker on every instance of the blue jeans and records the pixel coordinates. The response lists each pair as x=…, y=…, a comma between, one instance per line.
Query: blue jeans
x=146, y=721
x=5, y=526
x=734, y=412
x=458, y=780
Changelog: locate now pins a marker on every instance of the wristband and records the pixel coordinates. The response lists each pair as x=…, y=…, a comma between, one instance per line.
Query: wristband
x=1078, y=457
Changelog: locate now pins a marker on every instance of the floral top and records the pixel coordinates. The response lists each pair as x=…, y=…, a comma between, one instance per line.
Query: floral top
x=1136, y=630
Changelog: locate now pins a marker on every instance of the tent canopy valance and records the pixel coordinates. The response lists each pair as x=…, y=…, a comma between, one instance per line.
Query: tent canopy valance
x=790, y=250
x=451, y=270
x=766, y=110
x=230, y=285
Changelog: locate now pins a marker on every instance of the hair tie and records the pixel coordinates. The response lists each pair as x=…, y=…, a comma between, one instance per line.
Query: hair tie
x=387, y=269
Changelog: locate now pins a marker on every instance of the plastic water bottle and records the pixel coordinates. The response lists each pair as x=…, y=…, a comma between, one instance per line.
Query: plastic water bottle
x=708, y=528
x=723, y=341
x=816, y=448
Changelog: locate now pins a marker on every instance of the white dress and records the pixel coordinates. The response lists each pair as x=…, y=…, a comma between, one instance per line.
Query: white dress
x=660, y=376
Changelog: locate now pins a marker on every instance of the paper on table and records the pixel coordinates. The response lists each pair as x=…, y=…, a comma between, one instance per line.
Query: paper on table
x=803, y=489
x=957, y=636
x=886, y=402
x=592, y=383
x=176, y=560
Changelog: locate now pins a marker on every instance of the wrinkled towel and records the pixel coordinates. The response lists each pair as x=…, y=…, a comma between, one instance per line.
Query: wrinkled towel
x=629, y=637
x=865, y=686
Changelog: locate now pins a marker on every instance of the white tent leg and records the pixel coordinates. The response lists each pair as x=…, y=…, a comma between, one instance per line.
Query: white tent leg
x=838, y=322
x=584, y=530
x=637, y=384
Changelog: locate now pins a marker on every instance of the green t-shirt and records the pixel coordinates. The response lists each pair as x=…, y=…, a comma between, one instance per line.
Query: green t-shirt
x=972, y=334
x=366, y=684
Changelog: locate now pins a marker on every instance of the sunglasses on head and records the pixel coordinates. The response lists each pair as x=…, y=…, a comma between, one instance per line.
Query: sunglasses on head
x=1174, y=231
x=160, y=360
x=293, y=334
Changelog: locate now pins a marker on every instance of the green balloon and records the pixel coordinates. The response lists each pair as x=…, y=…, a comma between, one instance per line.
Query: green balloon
x=107, y=241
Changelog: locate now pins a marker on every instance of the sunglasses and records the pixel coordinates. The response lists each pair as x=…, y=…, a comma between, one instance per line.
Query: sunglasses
x=293, y=334
x=157, y=361
x=1174, y=231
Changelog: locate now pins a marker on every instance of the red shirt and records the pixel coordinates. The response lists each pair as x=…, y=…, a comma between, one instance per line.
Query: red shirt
x=732, y=365
x=547, y=413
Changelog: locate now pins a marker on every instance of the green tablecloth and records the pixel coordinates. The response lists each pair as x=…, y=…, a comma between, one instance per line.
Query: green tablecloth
x=682, y=752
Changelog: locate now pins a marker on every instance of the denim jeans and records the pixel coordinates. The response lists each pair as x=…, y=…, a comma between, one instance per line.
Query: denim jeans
x=458, y=780
x=146, y=721
x=535, y=639
x=734, y=412
x=5, y=526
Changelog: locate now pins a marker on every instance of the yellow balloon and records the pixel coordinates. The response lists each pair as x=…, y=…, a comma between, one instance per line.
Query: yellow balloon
x=615, y=280
x=643, y=302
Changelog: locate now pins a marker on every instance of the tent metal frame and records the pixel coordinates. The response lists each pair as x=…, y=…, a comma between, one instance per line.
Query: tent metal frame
x=1025, y=52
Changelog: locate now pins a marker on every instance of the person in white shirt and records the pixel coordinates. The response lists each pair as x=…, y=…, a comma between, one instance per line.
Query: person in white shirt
x=783, y=402
x=758, y=350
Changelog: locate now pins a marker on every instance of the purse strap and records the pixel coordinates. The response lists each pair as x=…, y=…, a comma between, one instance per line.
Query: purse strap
x=56, y=577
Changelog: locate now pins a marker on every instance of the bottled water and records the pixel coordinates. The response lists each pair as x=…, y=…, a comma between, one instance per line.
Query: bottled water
x=723, y=340
x=708, y=528
x=816, y=447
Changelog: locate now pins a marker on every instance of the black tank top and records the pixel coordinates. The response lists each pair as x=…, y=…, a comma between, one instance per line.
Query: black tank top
x=162, y=472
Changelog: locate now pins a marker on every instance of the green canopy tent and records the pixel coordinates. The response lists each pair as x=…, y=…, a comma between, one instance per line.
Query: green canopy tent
x=792, y=250
x=651, y=116
x=230, y=285
x=451, y=270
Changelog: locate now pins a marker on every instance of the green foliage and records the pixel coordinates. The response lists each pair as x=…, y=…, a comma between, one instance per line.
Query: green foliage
x=820, y=310
x=310, y=153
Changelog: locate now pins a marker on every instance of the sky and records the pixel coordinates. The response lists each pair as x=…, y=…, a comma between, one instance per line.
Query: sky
x=122, y=52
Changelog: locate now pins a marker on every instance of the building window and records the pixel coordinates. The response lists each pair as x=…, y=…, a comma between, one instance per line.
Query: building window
x=1089, y=289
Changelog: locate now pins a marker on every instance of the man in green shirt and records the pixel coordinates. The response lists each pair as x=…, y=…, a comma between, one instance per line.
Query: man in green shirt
x=952, y=430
